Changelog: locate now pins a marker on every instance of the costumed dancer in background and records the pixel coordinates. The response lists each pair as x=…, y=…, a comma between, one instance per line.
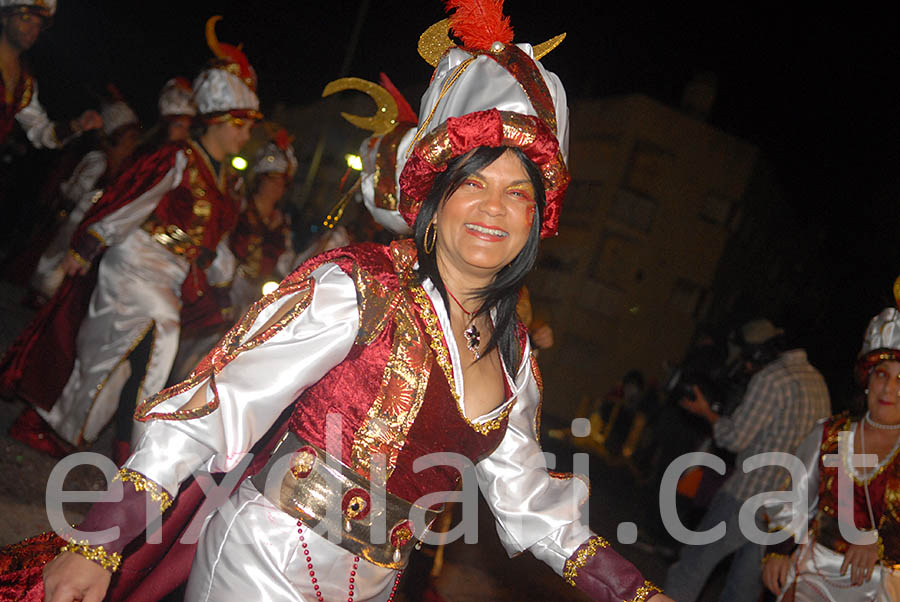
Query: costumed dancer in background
x=177, y=110
x=23, y=21
x=263, y=251
x=404, y=350
x=261, y=241
x=829, y=567
x=168, y=213
x=95, y=171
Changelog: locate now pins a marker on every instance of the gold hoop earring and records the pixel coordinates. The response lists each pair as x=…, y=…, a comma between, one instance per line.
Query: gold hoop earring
x=433, y=233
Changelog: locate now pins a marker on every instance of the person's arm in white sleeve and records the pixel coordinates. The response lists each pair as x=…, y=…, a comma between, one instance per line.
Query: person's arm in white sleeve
x=541, y=512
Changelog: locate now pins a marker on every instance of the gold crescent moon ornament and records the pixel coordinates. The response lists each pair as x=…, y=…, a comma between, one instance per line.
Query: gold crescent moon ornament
x=435, y=41
x=211, y=40
x=385, y=118
x=542, y=50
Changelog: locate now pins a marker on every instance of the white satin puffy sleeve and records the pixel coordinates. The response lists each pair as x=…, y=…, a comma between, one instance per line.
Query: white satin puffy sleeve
x=780, y=514
x=221, y=270
x=85, y=176
x=37, y=125
x=265, y=375
x=113, y=228
x=533, y=510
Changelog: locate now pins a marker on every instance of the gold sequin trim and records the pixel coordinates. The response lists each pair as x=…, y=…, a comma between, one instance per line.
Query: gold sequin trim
x=97, y=554
x=442, y=356
x=226, y=350
x=570, y=570
x=645, y=591
x=142, y=483
x=77, y=257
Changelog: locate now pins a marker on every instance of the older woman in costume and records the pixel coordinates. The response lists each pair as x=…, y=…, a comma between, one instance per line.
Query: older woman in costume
x=379, y=356
x=834, y=565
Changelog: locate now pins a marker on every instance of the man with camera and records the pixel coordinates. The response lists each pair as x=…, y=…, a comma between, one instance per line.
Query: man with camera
x=784, y=399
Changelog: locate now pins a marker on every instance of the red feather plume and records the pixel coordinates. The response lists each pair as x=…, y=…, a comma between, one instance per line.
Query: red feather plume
x=405, y=113
x=479, y=23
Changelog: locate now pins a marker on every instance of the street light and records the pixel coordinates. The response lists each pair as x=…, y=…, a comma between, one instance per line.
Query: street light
x=354, y=162
x=269, y=287
x=239, y=163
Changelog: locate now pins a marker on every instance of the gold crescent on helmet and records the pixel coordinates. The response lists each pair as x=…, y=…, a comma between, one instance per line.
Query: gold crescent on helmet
x=541, y=50
x=385, y=118
x=211, y=40
x=435, y=41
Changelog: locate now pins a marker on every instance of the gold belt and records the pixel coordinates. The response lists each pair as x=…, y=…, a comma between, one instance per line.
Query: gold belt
x=321, y=491
x=171, y=237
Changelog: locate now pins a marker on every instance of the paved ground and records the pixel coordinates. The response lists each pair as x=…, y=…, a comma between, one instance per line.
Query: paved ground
x=470, y=572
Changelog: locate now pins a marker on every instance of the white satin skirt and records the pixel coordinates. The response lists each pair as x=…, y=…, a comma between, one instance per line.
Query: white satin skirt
x=251, y=550
x=816, y=570
x=138, y=294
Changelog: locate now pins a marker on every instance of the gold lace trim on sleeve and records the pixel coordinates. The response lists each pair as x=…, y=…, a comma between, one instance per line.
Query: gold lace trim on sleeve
x=97, y=554
x=142, y=483
x=645, y=591
x=570, y=570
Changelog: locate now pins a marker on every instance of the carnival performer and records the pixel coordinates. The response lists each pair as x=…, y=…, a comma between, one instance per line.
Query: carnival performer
x=261, y=241
x=405, y=351
x=177, y=111
x=98, y=168
x=262, y=247
x=23, y=21
x=829, y=566
x=170, y=211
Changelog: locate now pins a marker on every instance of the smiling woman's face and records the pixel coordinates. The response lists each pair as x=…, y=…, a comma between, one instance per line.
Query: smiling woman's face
x=485, y=223
x=883, y=396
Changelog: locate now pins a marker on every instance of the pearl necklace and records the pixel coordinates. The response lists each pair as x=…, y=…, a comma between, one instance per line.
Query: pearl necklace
x=878, y=425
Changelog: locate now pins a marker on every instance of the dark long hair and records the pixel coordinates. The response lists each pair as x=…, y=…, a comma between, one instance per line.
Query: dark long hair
x=503, y=293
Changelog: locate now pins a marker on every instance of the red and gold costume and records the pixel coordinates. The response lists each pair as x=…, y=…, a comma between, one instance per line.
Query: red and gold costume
x=830, y=456
x=167, y=214
x=352, y=339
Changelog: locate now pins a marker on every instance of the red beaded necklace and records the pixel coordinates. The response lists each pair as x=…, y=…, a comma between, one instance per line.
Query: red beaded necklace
x=351, y=584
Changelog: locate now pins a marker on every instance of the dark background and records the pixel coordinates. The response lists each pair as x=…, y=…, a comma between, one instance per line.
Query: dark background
x=814, y=91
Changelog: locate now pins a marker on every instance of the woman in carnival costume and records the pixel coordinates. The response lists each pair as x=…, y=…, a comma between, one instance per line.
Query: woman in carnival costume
x=830, y=564
x=166, y=215
x=378, y=356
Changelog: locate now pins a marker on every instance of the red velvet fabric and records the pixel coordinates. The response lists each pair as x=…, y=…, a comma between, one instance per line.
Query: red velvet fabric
x=607, y=577
x=143, y=175
x=22, y=564
x=350, y=389
x=37, y=365
x=484, y=128
x=882, y=493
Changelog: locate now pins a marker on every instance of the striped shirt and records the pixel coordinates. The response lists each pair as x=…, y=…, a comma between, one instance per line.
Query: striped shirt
x=782, y=404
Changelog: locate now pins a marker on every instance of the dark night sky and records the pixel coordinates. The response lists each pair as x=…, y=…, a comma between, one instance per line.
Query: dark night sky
x=812, y=91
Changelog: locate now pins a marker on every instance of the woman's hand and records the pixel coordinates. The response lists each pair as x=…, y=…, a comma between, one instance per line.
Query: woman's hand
x=70, y=577
x=660, y=598
x=775, y=572
x=72, y=267
x=860, y=559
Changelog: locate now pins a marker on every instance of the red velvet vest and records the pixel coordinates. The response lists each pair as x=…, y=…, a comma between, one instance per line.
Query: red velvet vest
x=884, y=492
x=393, y=391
